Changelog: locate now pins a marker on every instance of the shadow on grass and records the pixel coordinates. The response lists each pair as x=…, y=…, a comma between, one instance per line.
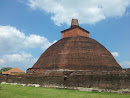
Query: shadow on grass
x=0, y=88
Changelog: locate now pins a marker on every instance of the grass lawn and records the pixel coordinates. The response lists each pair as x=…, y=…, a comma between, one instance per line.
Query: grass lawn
x=15, y=91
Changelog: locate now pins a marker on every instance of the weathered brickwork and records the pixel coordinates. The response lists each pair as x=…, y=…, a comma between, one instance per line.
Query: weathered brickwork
x=74, y=32
x=77, y=53
x=114, y=80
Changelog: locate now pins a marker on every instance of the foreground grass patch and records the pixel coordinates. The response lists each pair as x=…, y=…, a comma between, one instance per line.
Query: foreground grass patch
x=15, y=91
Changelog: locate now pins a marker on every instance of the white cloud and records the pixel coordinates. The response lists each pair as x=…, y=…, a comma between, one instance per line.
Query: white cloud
x=125, y=64
x=87, y=11
x=26, y=55
x=115, y=54
x=22, y=60
x=1, y=61
x=12, y=40
x=34, y=41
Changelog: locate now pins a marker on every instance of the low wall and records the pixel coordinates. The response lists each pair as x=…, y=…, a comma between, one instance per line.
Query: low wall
x=110, y=80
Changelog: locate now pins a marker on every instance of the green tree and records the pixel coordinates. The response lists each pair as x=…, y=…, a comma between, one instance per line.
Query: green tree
x=5, y=69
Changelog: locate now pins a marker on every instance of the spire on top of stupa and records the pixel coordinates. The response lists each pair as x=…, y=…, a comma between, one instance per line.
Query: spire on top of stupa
x=74, y=22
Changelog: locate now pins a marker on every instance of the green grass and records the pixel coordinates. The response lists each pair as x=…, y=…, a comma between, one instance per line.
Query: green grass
x=15, y=91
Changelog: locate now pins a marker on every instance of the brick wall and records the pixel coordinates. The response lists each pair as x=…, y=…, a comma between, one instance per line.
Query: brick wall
x=113, y=80
x=74, y=32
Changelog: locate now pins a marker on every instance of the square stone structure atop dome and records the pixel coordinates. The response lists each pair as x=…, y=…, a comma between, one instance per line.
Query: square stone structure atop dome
x=74, y=30
x=75, y=51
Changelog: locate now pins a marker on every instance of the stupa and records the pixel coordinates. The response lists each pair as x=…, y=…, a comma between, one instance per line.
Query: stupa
x=75, y=51
x=78, y=62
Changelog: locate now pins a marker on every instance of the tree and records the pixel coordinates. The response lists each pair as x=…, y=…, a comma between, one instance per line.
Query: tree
x=5, y=69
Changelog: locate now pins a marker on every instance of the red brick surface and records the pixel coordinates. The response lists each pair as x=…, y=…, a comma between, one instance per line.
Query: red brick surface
x=74, y=32
x=77, y=53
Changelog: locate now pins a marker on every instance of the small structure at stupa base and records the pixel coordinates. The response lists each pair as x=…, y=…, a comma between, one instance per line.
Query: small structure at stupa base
x=76, y=61
x=14, y=71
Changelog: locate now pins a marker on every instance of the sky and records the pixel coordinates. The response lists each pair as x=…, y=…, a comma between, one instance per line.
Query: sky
x=29, y=27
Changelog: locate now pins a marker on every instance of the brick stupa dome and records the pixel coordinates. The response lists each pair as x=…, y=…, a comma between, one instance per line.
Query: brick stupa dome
x=76, y=51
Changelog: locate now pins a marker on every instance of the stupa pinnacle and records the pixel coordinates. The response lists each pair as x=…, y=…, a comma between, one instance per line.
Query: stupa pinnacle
x=74, y=22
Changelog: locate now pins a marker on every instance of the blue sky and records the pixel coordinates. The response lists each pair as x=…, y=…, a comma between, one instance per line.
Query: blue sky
x=29, y=27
